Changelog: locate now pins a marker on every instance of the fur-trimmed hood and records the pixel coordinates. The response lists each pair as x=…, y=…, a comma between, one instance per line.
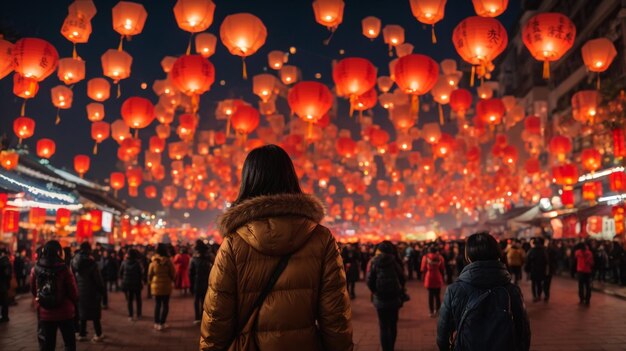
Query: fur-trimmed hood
x=274, y=224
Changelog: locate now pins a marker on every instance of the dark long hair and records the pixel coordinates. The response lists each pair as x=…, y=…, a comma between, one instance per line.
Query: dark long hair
x=268, y=170
x=482, y=247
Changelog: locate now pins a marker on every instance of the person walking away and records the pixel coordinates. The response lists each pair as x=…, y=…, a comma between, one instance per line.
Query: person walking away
x=90, y=290
x=110, y=271
x=601, y=263
x=131, y=274
x=352, y=262
x=199, y=269
x=433, y=269
x=5, y=284
x=515, y=259
x=409, y=257
x=161, y=275
x=365, y=259
x=537, y=267
x=483, y=310
x=54, y=288
x=181, y=263
x=386, y=282
x=584, y=266
x=19, y=269
x=553, y=265
x=146, y=259
x=274, y=244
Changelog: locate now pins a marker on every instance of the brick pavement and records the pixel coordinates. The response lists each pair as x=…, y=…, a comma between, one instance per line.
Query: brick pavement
x=558, y=325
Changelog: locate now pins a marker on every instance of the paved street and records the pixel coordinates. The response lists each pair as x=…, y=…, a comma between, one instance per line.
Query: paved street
x=558, y=325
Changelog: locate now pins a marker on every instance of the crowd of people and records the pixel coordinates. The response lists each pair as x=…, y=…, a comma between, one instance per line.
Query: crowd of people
x=281, y=279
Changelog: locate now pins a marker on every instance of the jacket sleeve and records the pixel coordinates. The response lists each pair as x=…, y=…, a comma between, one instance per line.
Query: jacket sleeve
x=150, y=272
x=371, y=278
x=522, y=325
x=219, y=319
x=192, y=274
x=445, y=325
x=335, y=313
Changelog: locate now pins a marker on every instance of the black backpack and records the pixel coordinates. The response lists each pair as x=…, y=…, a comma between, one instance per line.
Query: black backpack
x=388, y=285
x=487, y=322
x=47, y=288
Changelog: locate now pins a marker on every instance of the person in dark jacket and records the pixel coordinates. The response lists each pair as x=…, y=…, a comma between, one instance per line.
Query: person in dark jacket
x=537, y=267
x=90, y=290
x=110, y=270
x=485, y=271
x=199, y=270
x=131, y=273
x=553, y=265
x=352, y=262
x=5, y=283
x=51, y=262
x=19, y=269
x=386, y=282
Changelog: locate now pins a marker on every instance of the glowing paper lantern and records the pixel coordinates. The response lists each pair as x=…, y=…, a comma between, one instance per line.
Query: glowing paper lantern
x=479, y=40
x=598, y=54
x=150, y=191
x=276, y=59
x=81, y=164
x=83, y=230
x=585, y=105
x=346, y=147
x=63, y=217
x=26, y=88
x=310, y=101
x=96, y=220
x=560, y=146
x=263, y=86
x=371, y=27
x=34, y=58
x=9, y=159
x=441, y=92
x=82, y=8
x=100, y=131
x=10, y=221
x=289, y=74
x=490, y=8
x=95, y=111
x=591, y=160
x=431, y=133
x=117, y=180
x=532, y=166
x=617, y=181
x=393, y=35
x=116, y=64
x=619, y=147
x=460, y=101
x=245, y=119
x=135, y=178
x=128, y=18
x=354, y=76
x=6, y=57
x=62, y=98
x=98, y=89
x=137, y=112
x=205, y=44
x=243, y=34
x=415, y=75
x=45, y=148
x=328, y=13
x=428, y=12
x=156, y=144
x=24, y=128
x=194, y=15
x=193, y=75
x=532, y=124
x=37, y=216
x=76, y=29
x=490, y=111
x=71, y=70
x=548, y=36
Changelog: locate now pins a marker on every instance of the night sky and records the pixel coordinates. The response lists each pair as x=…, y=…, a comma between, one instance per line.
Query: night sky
x=289, y=23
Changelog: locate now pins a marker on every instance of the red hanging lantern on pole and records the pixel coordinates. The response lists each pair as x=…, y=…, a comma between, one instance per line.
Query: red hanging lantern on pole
x=548, y=36
x=63, y=217
x=10, y=221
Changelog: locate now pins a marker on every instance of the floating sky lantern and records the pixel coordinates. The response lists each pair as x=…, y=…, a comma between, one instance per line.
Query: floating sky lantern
x=415, y=75
x=134, y=176
x=243, y=34
x=82, y=8
x=193, y=75
x=346, y=147
x=71, y=70
x=77, y=30
x=98, y=89
x=245, y=120
x=310, y=101
x=6, y=57
x=81, y=164
x=62, y=98
x=263, y=86
x=371, y=27
x=428, y=12
x=585, y=105
x=460, y=101
x=441, y=93
x=548, y=36
x=24, y=128
x=393, y=35
x=120, y=130
x=328, y=13
x=45, y=148
x=95, y=111
x=116, y=64
x=9, y=159
x=128, y=19
x=490, y=8
x=194, y=16
x=289, y=74
x=26, y=88
x=34, y=58
x=100, y=131
x=491, y=111
x=591, y=159
x=117, y=180
x=431, y=133
x=156, y=144
x=560, y=146
x=354, y=76
x=205, y=44
x=598, y=54
x=137, y=112
x=479, y=40
x=276, y=59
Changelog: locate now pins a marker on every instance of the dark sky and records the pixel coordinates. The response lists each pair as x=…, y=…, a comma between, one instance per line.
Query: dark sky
x=289, y=23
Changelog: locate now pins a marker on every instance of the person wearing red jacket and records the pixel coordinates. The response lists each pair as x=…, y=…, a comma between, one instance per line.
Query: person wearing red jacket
x=584, y=265
x=50, y=264
x=433, y=266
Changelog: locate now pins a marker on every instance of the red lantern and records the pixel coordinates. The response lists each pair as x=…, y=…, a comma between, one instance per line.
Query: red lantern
x=416, y=74
x=479, y=40
x=205, y=44
x=96, y=220
x=428, y=12
x=379, y=138
x=591, y=191
x=137, y=112
x=567, y=197
x=460, y=101
x=157, y=145
x=560, y=146
x=566, y=175
x=366, y=101
x=76, y=29
x=34, y=58
x=346, y=147
x=619, y=150
x=37, y=216
x=4, y=198
x=245, y=119
x=10, y=221
x=100, y=131
x=591, y=160
x=45, y=148
x=151, y=192
x=585, y=105
x=98, y=89
x=116, y=64
x=9, y=159
x=81, y=164
x=617, y=181
x=24, y=128
x=192, y=75
x=243, y=34
x=310, y=100
x=129, y=18
x=371, y=27
x=490, y=111
x=548, y=36
x=509, y=155
x=135, y=178
x=328, y=13
x=6, y=57
x=532, y=125
x=117, y=180
x=194, y=15
x=71, y=70
x=598, y=54
x=63, y=216
x=23, y=87
x=83, y=230
x=490, y=8
x=354, y=76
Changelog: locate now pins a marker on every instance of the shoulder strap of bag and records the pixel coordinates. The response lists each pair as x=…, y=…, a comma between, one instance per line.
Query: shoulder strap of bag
x=282, y=264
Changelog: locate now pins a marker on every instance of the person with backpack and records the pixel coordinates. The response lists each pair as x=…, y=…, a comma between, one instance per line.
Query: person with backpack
x=90, y=290
x=161, y=275
x=433, y=267
x=54, y=288
x=483, y=310
x=584, y=266
x=131, y=274
x=5, y=284
x=386, y=282
x=537, y=267
x=199, y=270
x=278, y=281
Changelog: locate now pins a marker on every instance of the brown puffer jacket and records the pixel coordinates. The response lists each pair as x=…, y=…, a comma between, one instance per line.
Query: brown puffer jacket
x=309, y=307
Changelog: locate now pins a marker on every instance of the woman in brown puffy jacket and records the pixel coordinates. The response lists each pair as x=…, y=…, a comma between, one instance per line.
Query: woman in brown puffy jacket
x=308, y=307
